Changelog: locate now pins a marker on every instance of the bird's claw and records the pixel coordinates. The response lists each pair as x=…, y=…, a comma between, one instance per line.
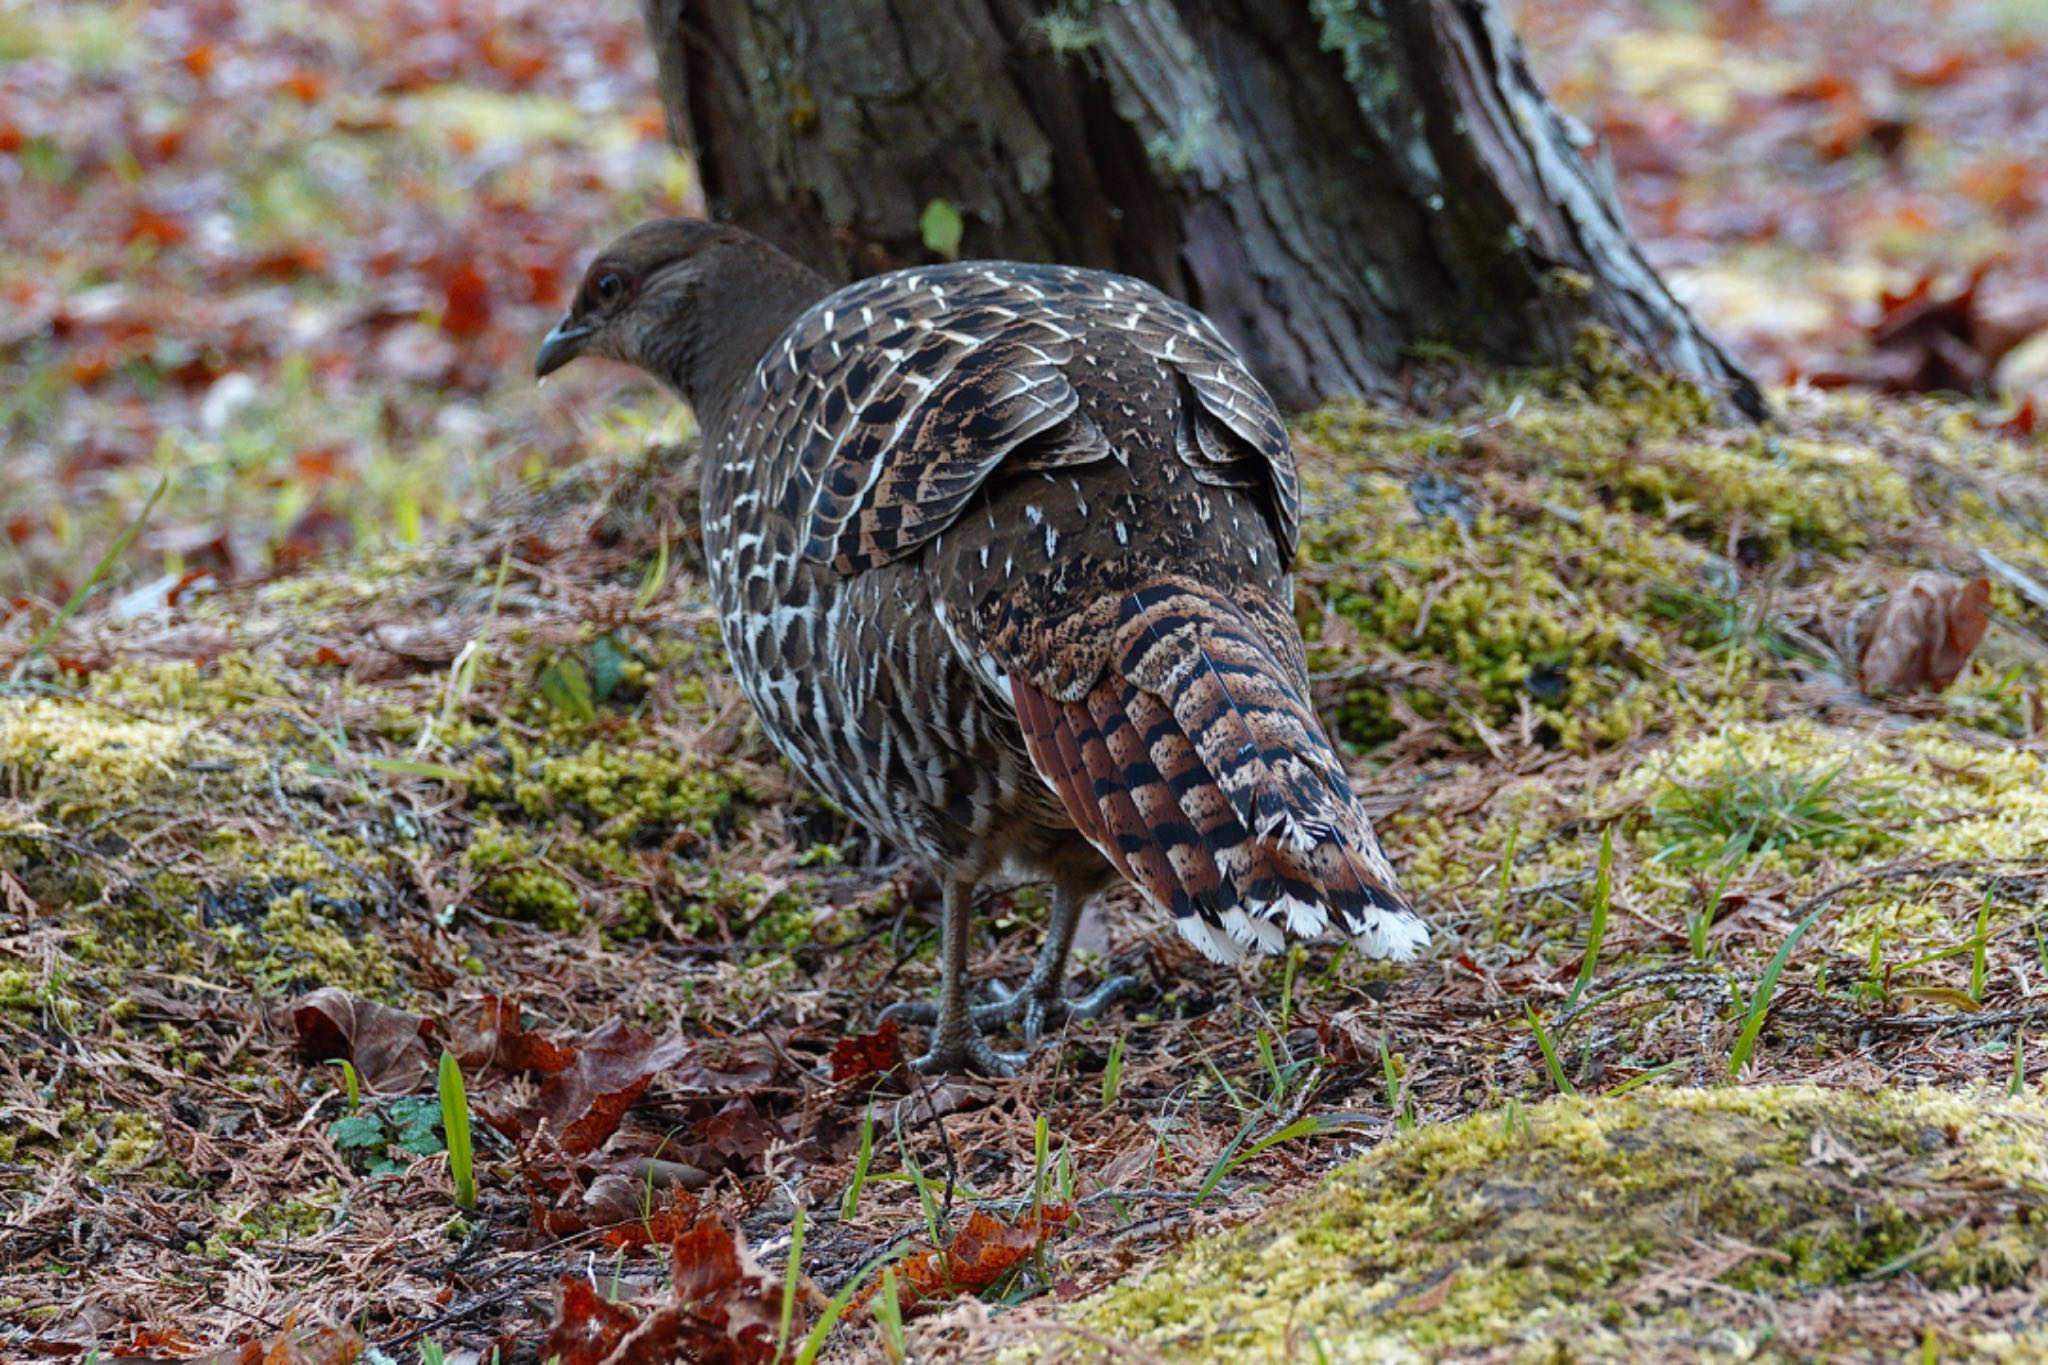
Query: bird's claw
x=1034, y=1009
x=973, y=1053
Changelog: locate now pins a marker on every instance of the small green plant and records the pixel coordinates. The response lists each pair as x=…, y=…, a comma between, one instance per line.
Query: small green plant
x=1041, y=1163
x=411, y=1123
x=790, y=1275
x=849, y=1204
x=1295, y=953
x=92, y=581
x=655, y=579
x=1558, y=1079
x=888, y=1315
x=1113, y=1073
x=1236, y=1154
x=1603, y=892
x=941, y=227
x=352, y=1083
x=1759, y=1006
x=455, y=1123
x=2018, y=1085
x=1978, y=944
x=1761, y=808
x=1702, y=920
x=1507, y=865
x=1397, y=1104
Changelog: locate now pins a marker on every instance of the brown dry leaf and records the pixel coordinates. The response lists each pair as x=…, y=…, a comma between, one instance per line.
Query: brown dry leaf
x=866, y=1054
x=318, y=1346
x=583, y=1102
x=498, y=1039
x=1922, y=636
x=388, y=1048
x=985, y=1250
x=587, y=1327
x=722, y=1309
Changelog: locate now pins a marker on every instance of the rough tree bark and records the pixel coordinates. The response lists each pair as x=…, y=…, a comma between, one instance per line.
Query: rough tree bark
x=1336, y=182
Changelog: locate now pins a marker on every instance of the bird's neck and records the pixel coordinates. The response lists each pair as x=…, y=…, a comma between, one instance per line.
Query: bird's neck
x=740, y=312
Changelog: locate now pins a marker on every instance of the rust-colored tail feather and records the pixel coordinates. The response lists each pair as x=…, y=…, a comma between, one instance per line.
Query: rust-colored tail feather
x=1197, y=765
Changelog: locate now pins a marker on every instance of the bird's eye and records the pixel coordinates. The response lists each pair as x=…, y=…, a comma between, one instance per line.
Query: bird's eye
x=607, y=288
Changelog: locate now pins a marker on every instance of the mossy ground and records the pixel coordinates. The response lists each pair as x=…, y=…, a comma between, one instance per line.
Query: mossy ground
x=1590, y=1229
x=514, y=763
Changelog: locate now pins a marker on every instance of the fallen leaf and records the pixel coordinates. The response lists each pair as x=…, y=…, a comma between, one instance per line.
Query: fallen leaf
x=1923, y=634
x=985, y=1250
x=583, y=1102
x=867, y=1054
x=388, y=1047
x=720, y=1308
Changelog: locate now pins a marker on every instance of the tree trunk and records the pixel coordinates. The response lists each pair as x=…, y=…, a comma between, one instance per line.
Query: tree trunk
x=1336, y=182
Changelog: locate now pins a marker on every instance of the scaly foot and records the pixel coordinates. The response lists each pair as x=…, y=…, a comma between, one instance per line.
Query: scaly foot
x=1031, y=1004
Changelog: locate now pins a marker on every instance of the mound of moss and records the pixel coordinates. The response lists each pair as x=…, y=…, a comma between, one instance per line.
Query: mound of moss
x=1731, y=1223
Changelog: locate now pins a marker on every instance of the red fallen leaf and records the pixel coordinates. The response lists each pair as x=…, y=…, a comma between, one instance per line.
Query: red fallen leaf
x=2020, y=425
x=199, y=60
x=315, y=467
x=467, y=311
x=498, y=1039
x=1929, y=69
x=583, y=1103
x=522, y=67
x=320, y=529
x=741, y=1131
x=90, y=367
x=640, y=1227
x=305, y=86
x=388, y=1047
x=1922, y=636
x=867, y=1054
x=288, y=262
x=587, y=1327
x=160, y=228
x=720, y=1309
x=316, y=1346
x=985, y=1250
x=19, y=529
x=11, y=138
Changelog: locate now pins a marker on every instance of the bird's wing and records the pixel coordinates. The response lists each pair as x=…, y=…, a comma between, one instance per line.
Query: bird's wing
x=921, y=384
x=1236, y=438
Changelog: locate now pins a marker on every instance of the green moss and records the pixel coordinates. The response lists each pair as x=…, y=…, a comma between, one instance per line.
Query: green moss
x=1546, y=1233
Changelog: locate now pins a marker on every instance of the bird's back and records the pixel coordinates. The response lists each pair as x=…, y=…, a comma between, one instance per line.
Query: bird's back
x=1051, y=506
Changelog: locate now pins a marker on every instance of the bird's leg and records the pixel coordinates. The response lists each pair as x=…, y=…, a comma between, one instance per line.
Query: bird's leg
x=1038, y=1001
x=957, y=1044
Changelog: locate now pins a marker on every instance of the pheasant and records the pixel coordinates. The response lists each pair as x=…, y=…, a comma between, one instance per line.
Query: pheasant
x=1001, y=554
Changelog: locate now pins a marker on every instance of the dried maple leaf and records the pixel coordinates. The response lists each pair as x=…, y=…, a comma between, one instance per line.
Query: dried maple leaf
x=1923, y=634
x=388, y=1048
x=984, y=1251
x=583, y=1102
x=499, y=1039
x=721, y=1308
x=867, y=1054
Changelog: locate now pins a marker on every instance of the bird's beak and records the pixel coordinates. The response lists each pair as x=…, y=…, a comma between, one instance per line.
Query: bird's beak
x=561, y=346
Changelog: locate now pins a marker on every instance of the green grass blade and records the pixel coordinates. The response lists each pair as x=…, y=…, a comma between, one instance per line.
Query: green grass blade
x=455, y=1123
x=1760, y=998
x=849, y=1205
x=99, y=571
x=790, y=1276
x=1603, y=892
x=1558, y=1079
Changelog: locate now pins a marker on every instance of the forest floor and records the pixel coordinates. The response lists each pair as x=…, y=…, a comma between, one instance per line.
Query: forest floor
x=401, y=725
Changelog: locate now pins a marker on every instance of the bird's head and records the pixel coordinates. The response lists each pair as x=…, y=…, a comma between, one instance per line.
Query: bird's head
x=690, y=302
